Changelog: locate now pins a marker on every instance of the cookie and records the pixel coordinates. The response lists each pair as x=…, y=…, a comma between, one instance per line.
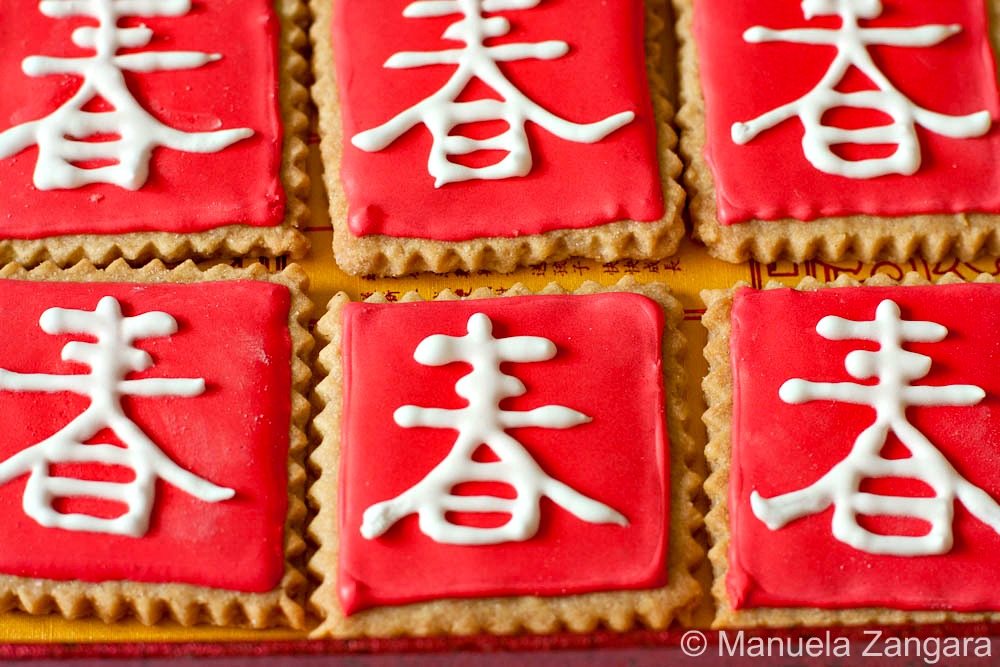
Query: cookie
x=504, y=465
x=152, y=458
x=798, y=148
x=168, y=130
x=852, y=435
x=431, y=166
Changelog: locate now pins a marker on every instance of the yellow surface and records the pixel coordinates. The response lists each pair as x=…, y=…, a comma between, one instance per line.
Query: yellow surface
x=690, y=271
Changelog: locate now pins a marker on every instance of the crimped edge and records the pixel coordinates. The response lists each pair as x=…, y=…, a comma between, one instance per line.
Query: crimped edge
x=582, y=613
x=185, y=603
x=718, y=390
x=864, y=237
x=229, y=240
x=390, y=256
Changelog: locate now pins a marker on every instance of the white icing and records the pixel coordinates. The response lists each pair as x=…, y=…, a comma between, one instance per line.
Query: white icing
x=852, y=43
x=894, y=369
x=440, y=113
x=484, y=422
x=61, y=135
x=111, y=358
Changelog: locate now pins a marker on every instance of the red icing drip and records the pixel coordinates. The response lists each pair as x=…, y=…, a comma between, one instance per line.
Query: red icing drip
x=779, y=447
x=235, y=434
x=571, y=185
x=185, y=192
x=769, y=178
x=608, y=346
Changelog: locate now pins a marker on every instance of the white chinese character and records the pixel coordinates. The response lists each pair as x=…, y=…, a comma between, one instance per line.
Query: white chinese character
x=111, y=358
x=894, y=369
x=484, y=422
x=124, y=136
x=441, y=113
x=852, y=42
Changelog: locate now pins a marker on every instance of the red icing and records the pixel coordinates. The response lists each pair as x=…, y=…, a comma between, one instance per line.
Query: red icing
x=778, y=448
x=607, y=366
x=185, y=192
x=769, y=177
x=571, y=185
x=235, y=335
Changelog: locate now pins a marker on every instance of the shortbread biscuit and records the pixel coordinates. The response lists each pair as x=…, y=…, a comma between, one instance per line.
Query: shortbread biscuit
x=488, y=554
x=853, y=481
x=593, y=174
x=775, y=162
x=153, y=453
x=158, y=130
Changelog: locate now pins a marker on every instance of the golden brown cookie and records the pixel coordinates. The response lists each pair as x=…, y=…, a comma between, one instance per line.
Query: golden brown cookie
x=829, y=504
x=585, y=178
x=158, y=470
x=114, y=145
x=778, y=168
x=569, y=562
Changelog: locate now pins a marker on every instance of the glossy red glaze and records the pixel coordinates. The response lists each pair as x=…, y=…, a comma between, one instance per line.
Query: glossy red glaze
x=185, y=192
x=235, y=434
x=607, y=366
x=571, y=185
x=770, y=178
x=778, y=448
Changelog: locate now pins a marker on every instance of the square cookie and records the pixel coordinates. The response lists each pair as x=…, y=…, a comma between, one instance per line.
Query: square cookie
x=164, y=129
x=446, y=146
x=823, y=128
x=504, y=465
x=152, y=458
x=852, y=441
